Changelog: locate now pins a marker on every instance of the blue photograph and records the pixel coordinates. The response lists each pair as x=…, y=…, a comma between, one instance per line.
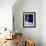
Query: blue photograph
x=29, y=19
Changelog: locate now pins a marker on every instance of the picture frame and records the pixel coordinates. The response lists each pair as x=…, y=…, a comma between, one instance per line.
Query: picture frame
x=29, y=19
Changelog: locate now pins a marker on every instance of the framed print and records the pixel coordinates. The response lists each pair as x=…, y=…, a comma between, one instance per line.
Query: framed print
x=29, y=19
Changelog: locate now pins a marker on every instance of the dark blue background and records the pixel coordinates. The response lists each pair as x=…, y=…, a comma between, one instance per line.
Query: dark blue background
x=29, y=18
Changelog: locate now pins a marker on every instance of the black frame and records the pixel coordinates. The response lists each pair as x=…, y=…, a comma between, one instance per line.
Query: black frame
x=34, y=18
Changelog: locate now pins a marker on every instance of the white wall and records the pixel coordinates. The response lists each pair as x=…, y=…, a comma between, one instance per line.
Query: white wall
x=6, y=16
x=28, y=6
x=43, y=22
x=6, y=13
